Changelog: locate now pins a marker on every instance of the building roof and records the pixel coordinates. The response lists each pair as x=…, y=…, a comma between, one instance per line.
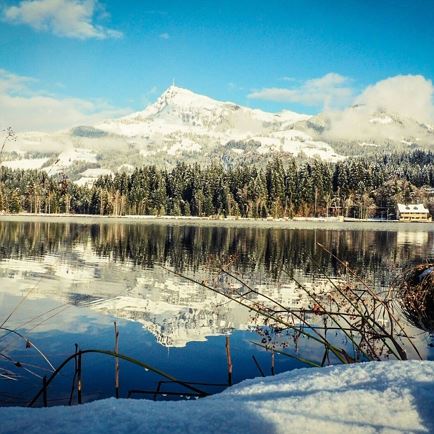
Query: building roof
x=416, y=208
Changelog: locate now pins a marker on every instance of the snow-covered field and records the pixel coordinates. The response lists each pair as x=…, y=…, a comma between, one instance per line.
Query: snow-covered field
x=376, y=397
x=89, y=176
x=67, y=158
x=25, y=163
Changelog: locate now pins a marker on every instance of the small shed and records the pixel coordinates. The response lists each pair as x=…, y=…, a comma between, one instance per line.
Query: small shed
x=413, y=213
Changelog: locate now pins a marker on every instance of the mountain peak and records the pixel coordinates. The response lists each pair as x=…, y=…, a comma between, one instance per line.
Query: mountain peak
x=183, y=97
x=175, y=90
x=180, y=111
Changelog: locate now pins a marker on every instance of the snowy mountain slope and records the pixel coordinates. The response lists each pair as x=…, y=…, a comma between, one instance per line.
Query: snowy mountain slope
x=184, y=126
x=180, y=110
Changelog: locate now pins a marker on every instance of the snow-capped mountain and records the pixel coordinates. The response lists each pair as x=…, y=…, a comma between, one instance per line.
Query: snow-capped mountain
x=184, y=126
x=179, y=110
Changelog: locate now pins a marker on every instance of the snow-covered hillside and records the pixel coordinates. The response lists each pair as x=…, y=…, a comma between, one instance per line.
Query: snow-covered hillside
x=184, y=126
x=375, y=397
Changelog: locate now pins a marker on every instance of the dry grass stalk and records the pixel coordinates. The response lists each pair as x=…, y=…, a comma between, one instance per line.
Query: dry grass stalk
x=116, y=361
x=229, y=359
x=352, y=310
x=416, y=292
x=79, y=354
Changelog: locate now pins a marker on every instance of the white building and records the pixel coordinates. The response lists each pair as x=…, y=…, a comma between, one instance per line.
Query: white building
x=413, y=213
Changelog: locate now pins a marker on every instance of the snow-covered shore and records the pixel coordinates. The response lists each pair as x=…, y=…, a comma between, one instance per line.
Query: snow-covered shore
x=297, y=223
x=372, y=397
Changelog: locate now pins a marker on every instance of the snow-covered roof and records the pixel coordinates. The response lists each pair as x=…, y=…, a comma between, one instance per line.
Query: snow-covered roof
x=358, y=398
x=416, y=208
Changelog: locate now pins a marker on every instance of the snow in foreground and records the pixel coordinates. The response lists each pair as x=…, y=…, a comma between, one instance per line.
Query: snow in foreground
x=371, y=397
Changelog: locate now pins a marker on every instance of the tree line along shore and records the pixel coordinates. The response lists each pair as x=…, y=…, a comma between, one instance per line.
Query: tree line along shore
x=284, y=188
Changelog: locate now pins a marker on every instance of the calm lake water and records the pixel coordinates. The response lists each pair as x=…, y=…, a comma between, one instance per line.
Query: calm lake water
x=83, y=277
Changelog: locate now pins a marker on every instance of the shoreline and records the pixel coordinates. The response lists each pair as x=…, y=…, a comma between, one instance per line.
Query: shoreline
x=330, y=223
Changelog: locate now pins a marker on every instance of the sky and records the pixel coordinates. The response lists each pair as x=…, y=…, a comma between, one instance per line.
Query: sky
x=64, y=62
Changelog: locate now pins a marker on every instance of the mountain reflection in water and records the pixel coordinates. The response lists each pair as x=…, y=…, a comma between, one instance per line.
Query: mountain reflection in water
x=113, y=271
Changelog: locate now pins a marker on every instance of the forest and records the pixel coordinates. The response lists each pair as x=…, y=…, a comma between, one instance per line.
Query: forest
x=355, y=187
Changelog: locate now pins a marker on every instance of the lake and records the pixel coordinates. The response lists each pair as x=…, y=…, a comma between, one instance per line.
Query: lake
x=72, y=279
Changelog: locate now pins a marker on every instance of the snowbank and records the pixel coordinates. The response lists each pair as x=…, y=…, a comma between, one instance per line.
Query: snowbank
x=364, y=398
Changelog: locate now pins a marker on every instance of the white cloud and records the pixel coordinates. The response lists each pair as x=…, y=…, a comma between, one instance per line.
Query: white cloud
x=11, y=83
x=404, y=96
x=68, y=18
x=330, y=91
x=410, y=96
x=25, y=109
x=164, y=36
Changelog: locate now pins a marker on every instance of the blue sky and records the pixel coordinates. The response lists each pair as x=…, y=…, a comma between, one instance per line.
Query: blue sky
x=120, y=55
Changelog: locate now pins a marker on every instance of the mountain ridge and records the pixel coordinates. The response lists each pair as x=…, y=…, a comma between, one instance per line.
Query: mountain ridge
x=184, y=126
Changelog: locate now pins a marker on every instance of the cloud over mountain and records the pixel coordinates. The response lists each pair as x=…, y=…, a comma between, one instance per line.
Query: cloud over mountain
x=330, y=91
x=378, y=112
x=410, y=96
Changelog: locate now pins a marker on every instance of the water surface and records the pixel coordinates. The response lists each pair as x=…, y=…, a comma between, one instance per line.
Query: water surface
x=79, y=278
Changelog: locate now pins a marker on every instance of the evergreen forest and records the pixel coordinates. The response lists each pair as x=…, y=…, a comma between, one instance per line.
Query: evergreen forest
x=355, y=187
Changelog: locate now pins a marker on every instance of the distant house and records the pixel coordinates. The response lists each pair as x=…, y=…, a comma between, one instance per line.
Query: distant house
x=413, y=213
